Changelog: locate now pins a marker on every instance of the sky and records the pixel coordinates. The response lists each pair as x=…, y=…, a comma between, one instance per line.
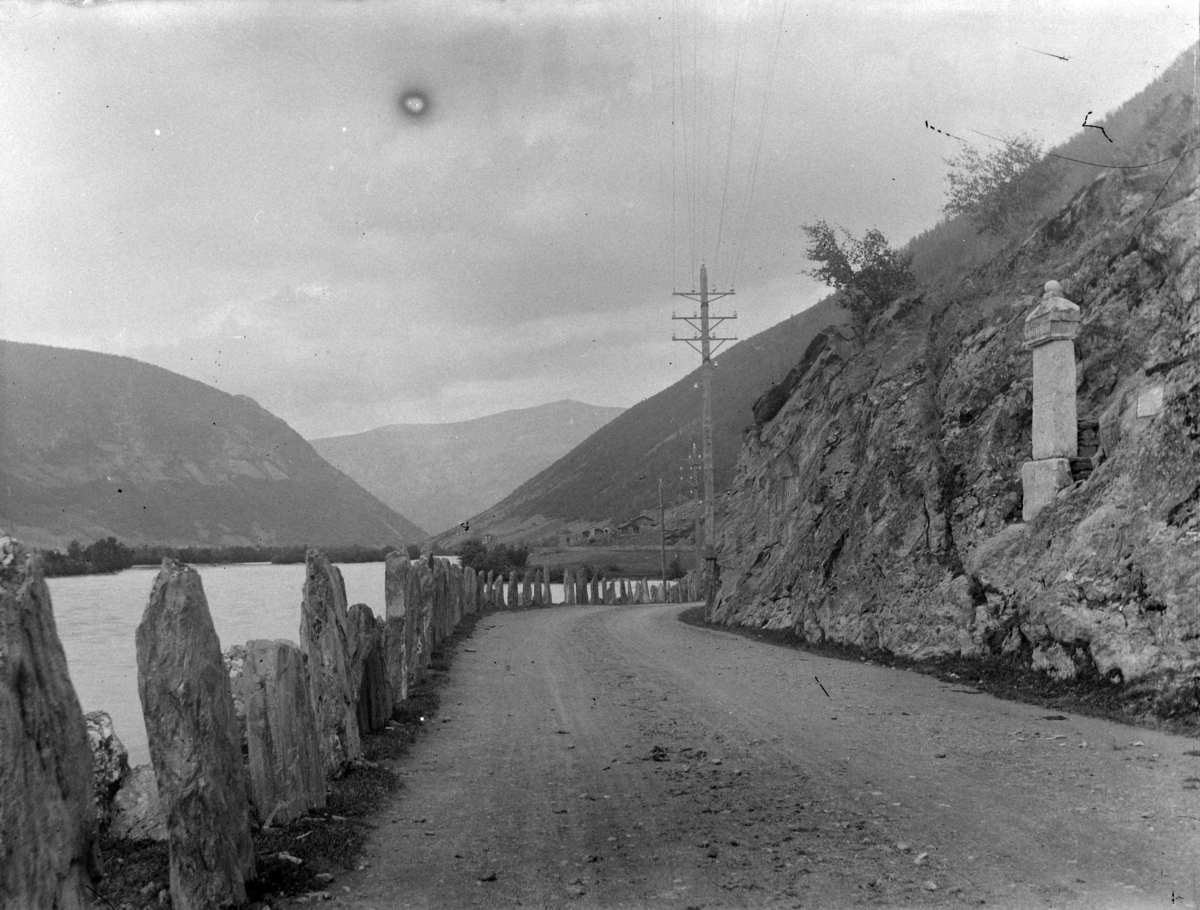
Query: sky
x=365, y=213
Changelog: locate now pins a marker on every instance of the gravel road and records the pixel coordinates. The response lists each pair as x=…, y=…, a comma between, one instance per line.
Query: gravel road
x=616, y=757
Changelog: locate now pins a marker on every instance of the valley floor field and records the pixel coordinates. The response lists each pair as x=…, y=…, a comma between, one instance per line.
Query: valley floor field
x=616, y=757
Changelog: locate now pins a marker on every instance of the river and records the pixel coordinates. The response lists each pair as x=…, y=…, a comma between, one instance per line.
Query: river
x=97, y=615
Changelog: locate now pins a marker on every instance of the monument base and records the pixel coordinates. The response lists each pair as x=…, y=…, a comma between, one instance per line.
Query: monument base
x=1040, y=482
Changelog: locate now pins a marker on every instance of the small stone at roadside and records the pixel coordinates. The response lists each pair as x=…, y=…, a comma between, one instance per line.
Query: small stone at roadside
x=930, y=886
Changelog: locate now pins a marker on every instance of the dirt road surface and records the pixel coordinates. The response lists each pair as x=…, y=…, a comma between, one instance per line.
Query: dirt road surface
x=615, y=757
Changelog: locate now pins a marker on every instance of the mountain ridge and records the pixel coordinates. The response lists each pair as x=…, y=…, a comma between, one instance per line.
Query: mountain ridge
x=97, y=445
x=613, y=474
x=443, y=473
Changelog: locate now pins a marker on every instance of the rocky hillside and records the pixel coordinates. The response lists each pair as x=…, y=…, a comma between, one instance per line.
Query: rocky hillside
x=881, y=505
x=614, y=473
x=443, y=473
x=93, y=445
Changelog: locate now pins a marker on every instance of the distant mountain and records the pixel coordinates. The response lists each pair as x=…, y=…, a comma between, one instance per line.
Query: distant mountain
x=614, y=473
x=93, y=445
x=443, y=473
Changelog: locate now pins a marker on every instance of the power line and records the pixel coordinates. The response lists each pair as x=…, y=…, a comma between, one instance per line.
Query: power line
x=1113, y=167
x=737, y=73
x=762, y=127
x=1160, y=192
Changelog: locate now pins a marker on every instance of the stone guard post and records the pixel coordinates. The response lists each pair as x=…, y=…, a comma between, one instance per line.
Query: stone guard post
x=1050, y=331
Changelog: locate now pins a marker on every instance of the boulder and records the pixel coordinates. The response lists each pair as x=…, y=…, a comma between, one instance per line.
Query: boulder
x=438, y=606
x=471, y=591
x=323, y=640
x=368, y=673
x=137, y=811
x=287, y=771
x=110, y=762
x=423, y=597
x=234, y=658
x=45, y=764
x=193, y=736
x=397, y=641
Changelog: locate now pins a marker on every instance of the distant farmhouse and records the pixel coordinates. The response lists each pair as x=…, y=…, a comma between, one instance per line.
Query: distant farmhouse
x=636, y=525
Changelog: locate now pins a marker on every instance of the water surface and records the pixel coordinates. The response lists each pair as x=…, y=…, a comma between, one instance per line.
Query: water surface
x=96, y=617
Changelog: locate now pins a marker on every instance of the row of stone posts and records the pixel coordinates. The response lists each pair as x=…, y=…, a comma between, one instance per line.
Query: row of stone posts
x=256, y=731
x=579, y=589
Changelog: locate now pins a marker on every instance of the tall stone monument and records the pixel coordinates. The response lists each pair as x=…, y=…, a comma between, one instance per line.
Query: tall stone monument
x=48, y=840
x=1050, y=331
x=194, y=742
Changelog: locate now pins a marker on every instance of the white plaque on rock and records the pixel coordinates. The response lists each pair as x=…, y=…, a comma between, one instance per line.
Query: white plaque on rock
x=1150, y=401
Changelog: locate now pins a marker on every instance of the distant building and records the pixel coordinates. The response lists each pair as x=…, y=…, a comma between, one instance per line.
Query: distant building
x=637, y=524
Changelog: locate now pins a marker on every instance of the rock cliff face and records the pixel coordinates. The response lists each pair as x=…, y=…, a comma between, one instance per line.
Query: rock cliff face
x=880, y=504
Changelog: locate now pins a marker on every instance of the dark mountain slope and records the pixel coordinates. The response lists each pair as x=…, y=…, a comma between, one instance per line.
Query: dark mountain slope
x=93, y=444
x=442, y=473
x=614, y=473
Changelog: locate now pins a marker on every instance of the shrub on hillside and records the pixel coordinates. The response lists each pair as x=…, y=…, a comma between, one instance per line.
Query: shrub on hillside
x=1001, y=190
x=868, y=272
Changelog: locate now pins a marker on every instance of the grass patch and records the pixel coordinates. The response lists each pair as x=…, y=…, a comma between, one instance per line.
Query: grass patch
x=329, y=841
x=1133, y=704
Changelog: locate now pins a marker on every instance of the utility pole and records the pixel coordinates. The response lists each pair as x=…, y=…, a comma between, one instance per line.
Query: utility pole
x=703, y=324
x=694, y=465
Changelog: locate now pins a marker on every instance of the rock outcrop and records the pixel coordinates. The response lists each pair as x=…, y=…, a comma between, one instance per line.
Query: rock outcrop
x=47, y=818
x=137, y=811
x=880, y=505
x=235, y=658
x=398, y=631
x=193, y=737
x=110, y=763
x=368, y=669
x=323, y=640
x=287, y=770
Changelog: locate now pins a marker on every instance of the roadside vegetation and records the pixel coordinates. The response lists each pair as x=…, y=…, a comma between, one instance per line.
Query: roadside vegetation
x=500, y=558
x=867, y=271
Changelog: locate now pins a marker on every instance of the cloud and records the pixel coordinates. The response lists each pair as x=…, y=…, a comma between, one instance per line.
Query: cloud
x=239, y=195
